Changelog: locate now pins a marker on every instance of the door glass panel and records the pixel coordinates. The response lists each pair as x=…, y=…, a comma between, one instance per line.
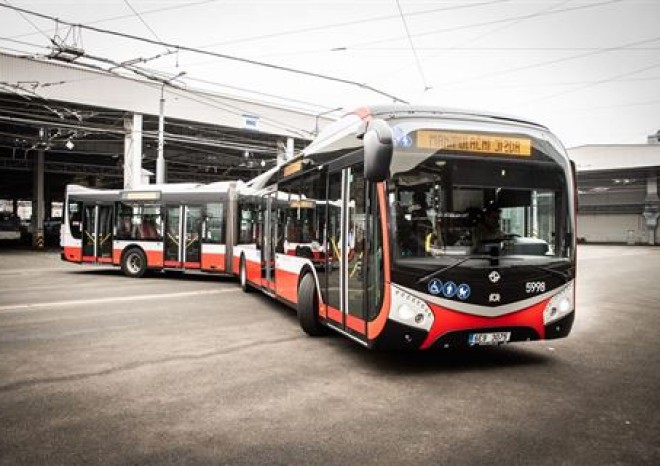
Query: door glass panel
x=333, y=264
x=194, y=219
x=88, y=230
x=104, y=235
x=356, y=244
x=172, y=236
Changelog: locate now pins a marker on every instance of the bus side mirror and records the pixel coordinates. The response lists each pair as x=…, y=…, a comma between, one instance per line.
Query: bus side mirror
x=378, y=150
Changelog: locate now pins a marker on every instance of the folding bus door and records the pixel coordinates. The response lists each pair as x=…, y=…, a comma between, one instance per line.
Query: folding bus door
x=172, y=241
x=192, y=250
x=104, y=226
x=89, y=233
x=345, y=292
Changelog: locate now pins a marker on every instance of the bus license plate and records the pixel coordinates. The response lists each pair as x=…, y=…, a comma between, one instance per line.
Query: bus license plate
x=494, y=338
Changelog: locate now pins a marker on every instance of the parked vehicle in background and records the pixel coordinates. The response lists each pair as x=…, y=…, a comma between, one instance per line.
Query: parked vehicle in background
x=10, y=227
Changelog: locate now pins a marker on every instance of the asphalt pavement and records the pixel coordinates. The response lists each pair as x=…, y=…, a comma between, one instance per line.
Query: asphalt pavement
x=102, y=369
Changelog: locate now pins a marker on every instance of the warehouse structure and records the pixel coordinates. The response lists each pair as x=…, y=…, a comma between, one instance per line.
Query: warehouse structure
x=618, y=192
x=61, y=122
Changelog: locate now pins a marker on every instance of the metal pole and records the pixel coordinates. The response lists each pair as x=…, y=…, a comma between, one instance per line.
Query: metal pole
x=160, y=161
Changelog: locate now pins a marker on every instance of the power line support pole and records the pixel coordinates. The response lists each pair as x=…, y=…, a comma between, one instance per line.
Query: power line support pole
x=133, y=151
x=38, y=200
x=160, y=161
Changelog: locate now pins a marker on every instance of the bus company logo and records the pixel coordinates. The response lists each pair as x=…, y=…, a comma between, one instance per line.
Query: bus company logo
x=435, y=287
x=401, y=139
x=494, y=276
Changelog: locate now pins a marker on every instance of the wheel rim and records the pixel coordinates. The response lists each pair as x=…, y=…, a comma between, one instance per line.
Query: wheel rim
x=134, y=263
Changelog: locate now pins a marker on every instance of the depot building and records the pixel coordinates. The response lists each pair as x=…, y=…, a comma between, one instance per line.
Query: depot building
x=618, y=192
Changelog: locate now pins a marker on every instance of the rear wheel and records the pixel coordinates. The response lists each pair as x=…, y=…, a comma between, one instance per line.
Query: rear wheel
x=242, y=275
x=134, y=263
x=308, y=307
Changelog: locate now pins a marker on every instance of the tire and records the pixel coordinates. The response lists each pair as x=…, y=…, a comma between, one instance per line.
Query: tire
x=242, y=276
x=308, y=305
x=134, y=263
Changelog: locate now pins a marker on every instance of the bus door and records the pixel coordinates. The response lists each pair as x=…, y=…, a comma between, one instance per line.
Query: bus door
x=97, y=233
x=192, y=250
x=172, y=243
x=104, y=226
x=345, y=283
x=269, y=244
x=89, y=233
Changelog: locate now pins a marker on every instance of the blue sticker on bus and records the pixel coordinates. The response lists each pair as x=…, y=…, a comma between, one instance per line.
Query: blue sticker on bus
x=449, y=290
x=435, y=286
x=400, y=138
x=463, y=292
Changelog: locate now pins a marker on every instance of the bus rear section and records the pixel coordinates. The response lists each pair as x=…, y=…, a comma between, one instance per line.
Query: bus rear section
x=164, y=227
x=466, y=238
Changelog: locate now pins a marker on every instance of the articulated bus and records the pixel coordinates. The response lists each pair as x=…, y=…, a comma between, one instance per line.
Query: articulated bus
x=159, y=227
x=417, y=227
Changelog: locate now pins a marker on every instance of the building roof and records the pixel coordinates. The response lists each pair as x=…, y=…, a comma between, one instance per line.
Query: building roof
x=615, y=157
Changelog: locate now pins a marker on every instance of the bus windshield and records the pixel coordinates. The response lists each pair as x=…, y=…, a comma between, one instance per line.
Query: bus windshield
x=451, y=207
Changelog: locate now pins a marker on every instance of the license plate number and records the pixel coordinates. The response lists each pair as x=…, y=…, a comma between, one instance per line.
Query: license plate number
x=492, y=338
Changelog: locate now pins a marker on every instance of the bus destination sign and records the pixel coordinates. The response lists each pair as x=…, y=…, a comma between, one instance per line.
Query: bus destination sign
x=468, y=142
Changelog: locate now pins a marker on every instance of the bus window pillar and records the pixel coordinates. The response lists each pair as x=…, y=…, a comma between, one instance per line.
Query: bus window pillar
x=38, y=201
x=133, y=151
x=651, y=207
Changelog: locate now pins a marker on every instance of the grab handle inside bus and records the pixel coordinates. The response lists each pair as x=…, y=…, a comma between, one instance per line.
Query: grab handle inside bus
x=378, y=150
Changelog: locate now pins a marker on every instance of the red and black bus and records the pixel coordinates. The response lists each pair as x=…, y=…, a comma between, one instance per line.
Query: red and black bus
x=417, y=227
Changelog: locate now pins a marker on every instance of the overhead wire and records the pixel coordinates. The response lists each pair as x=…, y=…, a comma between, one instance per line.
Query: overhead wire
x=210, y=53
x=418, y=62
x=485, y=23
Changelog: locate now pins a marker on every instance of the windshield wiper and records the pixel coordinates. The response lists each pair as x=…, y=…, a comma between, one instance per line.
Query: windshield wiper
x=455, y=264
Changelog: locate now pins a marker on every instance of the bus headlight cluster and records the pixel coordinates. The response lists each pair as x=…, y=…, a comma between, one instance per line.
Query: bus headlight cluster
x=559, y=305
x=410, y=310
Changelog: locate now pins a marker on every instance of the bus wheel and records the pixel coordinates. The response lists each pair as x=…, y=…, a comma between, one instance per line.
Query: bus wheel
x=308, y=304
x=242, y=275
x=134, y=263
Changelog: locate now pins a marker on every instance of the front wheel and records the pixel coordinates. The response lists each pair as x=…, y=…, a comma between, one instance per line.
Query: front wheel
x=242, y=276
x=308, y=307
x=134, y=263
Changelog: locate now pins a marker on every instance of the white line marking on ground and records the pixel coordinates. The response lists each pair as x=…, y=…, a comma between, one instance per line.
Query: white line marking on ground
x=114, y=299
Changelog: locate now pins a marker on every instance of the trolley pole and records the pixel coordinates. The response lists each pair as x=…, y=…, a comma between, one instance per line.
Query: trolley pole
x=160, y=161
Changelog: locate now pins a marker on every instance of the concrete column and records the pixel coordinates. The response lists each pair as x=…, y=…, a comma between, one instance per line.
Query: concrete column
x=133, y=151
x=38, y=204
x=652, y=207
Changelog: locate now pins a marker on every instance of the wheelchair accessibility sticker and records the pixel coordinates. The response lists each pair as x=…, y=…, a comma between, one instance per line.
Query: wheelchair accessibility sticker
x=435, y=287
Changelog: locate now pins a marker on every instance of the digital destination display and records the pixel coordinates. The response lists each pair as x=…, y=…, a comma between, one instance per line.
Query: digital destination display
x=469, y=142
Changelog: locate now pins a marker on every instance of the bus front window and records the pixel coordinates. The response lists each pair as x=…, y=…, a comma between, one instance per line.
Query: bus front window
x=447, y=208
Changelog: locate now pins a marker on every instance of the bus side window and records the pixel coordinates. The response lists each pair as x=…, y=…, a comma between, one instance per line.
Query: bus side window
x=213, y=230
x=75, y=219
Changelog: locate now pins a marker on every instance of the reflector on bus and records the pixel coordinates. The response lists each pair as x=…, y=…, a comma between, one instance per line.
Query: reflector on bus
x=469, y=142
x=140, y=195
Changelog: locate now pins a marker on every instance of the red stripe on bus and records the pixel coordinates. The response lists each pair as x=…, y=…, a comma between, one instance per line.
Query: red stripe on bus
x=334, y=314
x=447, y=321
x=72, y=254
x=287, y=285
x=191, y=265
x=171, y=264
x=154, y=258
x=213, y=261
x=89, y=259
x=376, y=326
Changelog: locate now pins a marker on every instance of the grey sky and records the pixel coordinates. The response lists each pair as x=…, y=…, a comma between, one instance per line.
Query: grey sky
x=590, y=70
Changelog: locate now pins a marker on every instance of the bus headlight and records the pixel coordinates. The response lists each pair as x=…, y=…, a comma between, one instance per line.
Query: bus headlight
x=410, y=310
x=559, y=305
